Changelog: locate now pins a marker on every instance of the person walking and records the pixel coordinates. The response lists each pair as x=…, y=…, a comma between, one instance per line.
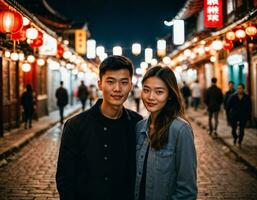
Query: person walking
x=196, y=94
x=213, y=99
x=239, y=108
x=186, y=93
x=165, y=151
x=28, y=106
x=230, y=91
x=83, y=94
x=97, y=152
x=62, y=99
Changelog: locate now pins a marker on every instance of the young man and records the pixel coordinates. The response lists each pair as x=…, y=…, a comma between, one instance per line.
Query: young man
x=61, y=95
x=231, y=90
x=97, y=152
x=239, y=108
x=213, y=99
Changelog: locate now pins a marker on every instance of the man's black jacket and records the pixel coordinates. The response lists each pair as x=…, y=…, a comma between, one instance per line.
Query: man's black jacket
x=97, y=156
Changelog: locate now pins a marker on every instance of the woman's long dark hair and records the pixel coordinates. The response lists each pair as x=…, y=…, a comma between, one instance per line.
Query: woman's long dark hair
x=173, y=108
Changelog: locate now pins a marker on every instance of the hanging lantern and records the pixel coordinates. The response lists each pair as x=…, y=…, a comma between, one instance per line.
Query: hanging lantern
x=10, y=22
x=217, y=45
x=19, y=35
x=251, y=31
x=26, y=67
x=40, y=61
x=227, y=45
x=60, y=50
x=230, y=35
x=31, y=59
x=240, y=34
x=36, y=43
x=31, y=33
x=14, y=56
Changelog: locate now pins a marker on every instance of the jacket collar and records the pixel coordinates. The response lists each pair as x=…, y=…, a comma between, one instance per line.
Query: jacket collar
x=143, y=126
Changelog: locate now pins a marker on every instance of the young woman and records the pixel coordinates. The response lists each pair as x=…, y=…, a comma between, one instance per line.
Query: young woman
x=165, y=150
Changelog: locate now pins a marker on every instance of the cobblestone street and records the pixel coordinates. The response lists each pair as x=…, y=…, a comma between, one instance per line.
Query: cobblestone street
x=31, y=172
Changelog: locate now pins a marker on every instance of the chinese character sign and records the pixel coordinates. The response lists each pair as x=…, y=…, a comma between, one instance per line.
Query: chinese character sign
x=213, y=13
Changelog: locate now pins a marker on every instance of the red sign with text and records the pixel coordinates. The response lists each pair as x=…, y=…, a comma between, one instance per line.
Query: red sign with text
x=213, y=14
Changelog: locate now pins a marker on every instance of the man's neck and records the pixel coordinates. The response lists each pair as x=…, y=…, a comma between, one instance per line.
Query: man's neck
x=112, y=112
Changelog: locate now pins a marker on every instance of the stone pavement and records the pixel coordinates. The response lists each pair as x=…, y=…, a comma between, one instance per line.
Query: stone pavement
x=17, y=138
x=248, y=152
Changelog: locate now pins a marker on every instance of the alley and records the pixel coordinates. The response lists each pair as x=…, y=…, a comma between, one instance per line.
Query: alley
x=31, y=173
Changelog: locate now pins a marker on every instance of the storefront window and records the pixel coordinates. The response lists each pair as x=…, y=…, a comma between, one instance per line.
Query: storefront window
x=41, y=74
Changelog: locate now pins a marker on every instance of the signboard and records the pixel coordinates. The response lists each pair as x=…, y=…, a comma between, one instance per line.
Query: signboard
x=80, y=41
x=213, y=14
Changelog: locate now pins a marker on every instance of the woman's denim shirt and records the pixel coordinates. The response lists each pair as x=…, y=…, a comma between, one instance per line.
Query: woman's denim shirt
x=171, y=171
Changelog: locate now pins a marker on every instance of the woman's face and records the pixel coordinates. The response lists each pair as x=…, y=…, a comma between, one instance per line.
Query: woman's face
x=154, y=94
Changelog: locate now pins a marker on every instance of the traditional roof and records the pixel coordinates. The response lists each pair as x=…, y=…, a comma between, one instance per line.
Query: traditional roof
x=190, y=8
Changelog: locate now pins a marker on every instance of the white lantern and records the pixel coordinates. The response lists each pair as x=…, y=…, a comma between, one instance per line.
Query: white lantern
x=161, y=48
x=117, y=50
x=31, y=33
x=178, y=32
x=40, y=62
x=148, y=55
x=21, y=56
x=166, y=60
x=100, y=50
x=136, y=49
x=26, y=67
x=143, y=65
x=154, y=62
x=217, y=45
x=31, y=59
x=67, y=54
x=14, y=56
x=91, y=47
x=7, y=54
x=25, y=21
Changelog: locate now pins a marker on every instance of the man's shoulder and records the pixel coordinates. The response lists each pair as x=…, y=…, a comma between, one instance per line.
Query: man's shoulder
x=134, y=115
x=80, y=118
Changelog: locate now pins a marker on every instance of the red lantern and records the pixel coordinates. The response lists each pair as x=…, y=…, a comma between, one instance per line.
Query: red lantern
x=36, y=43
x=20, y=35
x=60, y=50
x=227, y=45
x=251, y=31
x=230, y=36
x=10, y=22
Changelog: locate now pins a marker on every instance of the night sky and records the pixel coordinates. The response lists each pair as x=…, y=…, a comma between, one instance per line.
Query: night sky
x=122, y=22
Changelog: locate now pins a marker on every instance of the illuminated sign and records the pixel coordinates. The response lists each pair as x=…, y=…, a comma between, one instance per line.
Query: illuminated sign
x=213, y=14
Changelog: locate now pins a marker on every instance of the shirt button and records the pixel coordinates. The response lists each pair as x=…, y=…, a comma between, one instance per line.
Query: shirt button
x=105, y=158
x=105, y=145
x=105, y=128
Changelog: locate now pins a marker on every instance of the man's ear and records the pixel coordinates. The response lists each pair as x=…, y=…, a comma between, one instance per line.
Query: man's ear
x=99, y=82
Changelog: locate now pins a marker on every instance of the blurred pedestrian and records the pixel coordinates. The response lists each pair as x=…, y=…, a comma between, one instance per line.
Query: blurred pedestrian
x=196, y=94
x=92, y=92
x=239, y=108
x=231, y=90
x=97, y=153
x=186, y=93
x=62, y=99
x=165, y=151
x=137, y=96
x=28, y=105
x=83, y=94
x=213, y=99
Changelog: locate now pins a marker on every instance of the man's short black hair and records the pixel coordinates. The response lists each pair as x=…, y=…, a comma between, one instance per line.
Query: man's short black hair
x=115, y=63
x=231, y=82
x=61, y=82
x=242, y=85
x=214, y=80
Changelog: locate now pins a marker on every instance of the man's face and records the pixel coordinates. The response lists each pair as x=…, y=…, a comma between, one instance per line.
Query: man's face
x=115, y=86
x=240, y=89
x=231, y=86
